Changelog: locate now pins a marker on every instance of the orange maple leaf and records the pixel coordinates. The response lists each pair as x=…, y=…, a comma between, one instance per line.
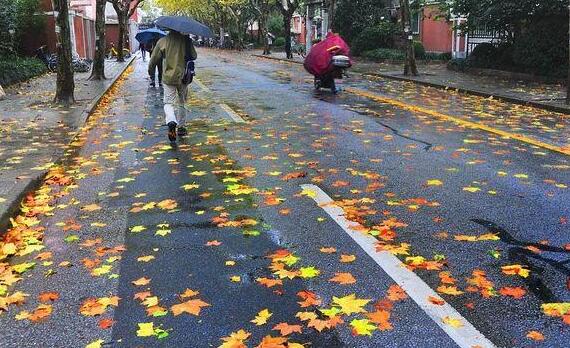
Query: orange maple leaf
x=516, y=292
x=343, y=278
x=535, y=336
x=189, y=293
x=106, y=323
x=272, y=342
x=268, y=282
x=287, y=329
x=382, y=319
x=309, y=299
x=396, y=293
x=190, y=307
x=141, y=281
x=48, y=296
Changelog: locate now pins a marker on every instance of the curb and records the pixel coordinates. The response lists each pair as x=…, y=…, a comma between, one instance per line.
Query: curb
x=278, y=59
x=505, y=98
x=13, y=206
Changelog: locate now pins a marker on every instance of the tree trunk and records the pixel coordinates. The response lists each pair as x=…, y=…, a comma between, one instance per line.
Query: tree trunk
x=98, y=71
x=65, y=84
x=2, y=94
x=410, y=66
x=331, y=10
x=123, y=19
x=265, y=33
x=287, y=17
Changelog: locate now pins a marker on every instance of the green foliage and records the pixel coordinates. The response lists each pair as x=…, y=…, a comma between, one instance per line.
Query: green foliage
x=543, y=48
x=279, y=42
x=378, y=36
x=419, y=50
x=14, y=69
x=506, y=15
x=355, y=16
x=483, y=56
x=381, y=54
x=20, y=16
x=275, y=24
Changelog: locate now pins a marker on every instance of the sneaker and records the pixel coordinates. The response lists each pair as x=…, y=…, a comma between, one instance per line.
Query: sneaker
x=172, y=131
x=152, y=84
x=182, y=131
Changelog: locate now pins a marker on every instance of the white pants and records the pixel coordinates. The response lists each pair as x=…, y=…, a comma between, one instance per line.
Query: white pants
x=175, y=96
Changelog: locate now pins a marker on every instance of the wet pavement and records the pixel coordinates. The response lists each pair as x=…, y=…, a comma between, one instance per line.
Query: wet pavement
x=137, y=242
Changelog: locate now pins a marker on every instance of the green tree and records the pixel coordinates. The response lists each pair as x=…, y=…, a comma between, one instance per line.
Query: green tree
x=262, y=9
x=354, y=16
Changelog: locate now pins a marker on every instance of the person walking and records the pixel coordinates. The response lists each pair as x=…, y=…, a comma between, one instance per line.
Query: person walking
x=142, y=47
x=173, y=50
x=158, y=67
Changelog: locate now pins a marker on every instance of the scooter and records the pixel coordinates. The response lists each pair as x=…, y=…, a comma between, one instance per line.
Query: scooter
x=339, y=64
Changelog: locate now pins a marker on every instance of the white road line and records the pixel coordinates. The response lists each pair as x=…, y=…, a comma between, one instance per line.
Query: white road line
x=201, y=85
x=232, y=114
x=466, y=336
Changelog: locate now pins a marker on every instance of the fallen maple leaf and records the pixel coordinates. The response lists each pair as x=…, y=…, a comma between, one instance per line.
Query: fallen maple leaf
x=213, y=243
x=106, y=323
x=396, y=293
x=49, y=296
x=381, y=318
x=272, y=342
x=262, y=317
x=190, y=307
x=535, y=336
x=287, y=329
x=436, y=301
x=516, y=292
x=269, y=282
x=343, y=278
x=141, y=281
x=350, y=304
x=347, y=258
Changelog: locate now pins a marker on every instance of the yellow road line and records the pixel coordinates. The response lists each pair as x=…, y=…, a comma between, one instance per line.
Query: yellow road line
x=459, y=121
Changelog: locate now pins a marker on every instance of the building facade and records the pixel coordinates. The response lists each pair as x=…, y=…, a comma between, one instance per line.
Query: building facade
x=82, y=28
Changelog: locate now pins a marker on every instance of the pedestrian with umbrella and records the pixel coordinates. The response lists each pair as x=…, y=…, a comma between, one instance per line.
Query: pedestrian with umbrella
x=176, y=51
x=148, y=39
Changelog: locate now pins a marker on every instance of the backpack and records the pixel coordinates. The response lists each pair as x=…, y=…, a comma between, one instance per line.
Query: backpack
x=189, y=71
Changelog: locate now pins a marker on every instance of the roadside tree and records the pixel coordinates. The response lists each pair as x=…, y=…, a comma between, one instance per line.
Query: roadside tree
x=98, y=70
x=65, y=84
x=124, y=10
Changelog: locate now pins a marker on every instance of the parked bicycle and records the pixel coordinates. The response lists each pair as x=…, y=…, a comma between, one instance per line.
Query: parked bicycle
x=299, y=49
x=50, y=60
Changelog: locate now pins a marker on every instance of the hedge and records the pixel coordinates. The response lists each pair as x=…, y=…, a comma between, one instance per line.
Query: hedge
x=17, y=69
x=380, y=54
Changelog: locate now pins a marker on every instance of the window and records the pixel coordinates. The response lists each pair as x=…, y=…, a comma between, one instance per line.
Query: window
x=416, y=22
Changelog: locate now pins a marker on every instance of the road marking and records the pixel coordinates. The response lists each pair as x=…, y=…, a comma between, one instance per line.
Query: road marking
x=457, y=120
x=201, y=85
x=466, y=336
x=232, y=114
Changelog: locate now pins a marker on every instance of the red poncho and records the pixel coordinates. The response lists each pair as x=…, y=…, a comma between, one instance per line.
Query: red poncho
x=318, y=61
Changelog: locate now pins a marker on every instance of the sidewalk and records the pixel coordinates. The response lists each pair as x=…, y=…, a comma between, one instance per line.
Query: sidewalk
x=544, y=96
x=34, y=133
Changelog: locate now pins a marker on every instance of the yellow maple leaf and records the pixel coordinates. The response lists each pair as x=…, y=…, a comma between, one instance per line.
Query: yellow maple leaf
x=453, y=322
x=434, y=182
x=262, y=317
x=145, y=329
x=362, y=327
x=95, y=344
x=137, y=229
x=350, y=304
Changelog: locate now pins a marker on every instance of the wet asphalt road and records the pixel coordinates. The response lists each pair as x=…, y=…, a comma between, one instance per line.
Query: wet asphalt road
x=437, y=179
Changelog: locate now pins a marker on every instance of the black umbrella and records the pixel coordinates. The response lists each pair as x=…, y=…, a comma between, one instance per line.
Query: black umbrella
x=184, y=25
